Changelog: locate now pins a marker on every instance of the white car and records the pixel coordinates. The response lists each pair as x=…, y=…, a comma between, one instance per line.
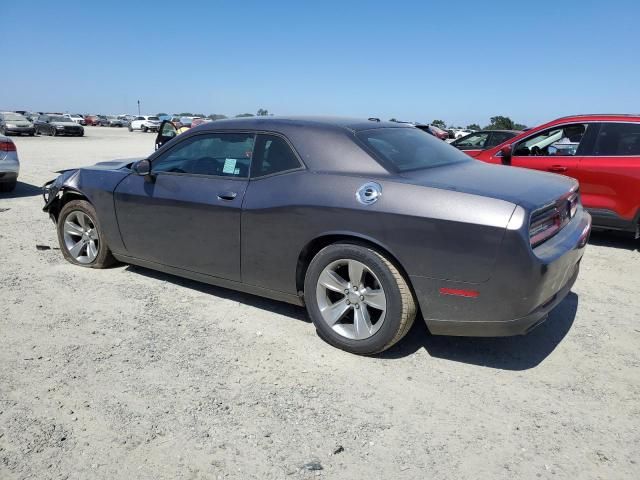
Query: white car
x=145, y=123
x=75, y=118
x=9, y=164
x=462, y=132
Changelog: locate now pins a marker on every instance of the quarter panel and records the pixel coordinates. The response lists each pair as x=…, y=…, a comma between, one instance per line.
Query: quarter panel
x=431, y=232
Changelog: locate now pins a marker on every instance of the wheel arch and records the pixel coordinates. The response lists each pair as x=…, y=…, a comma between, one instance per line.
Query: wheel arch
x=66, y=195
x=312, y=248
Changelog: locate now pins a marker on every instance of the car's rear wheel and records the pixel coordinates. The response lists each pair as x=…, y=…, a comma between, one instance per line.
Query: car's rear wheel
x=80, y=236
x=130, y=129
x=357, y=299
x=144, y=129
x=53, y=132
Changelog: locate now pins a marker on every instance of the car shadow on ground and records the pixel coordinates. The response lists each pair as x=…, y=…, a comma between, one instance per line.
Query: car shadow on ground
x=280, y=308
x=613, y=239
x=507, y=353
x=521, y=352
x=22, y=190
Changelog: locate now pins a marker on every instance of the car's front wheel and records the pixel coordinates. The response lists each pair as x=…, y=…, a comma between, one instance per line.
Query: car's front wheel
x=80, y=236
x=358, y=299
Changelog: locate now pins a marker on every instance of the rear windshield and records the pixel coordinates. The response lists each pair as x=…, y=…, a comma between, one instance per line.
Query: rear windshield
x=404, y=149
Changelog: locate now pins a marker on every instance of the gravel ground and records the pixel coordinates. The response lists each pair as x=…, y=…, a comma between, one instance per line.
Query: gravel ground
x=129, y=373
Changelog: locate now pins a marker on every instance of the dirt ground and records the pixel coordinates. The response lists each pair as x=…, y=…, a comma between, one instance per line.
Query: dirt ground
x=131, y=374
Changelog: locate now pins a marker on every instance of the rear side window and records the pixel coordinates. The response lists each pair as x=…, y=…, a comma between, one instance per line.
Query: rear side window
x=497, y=138
x=618, y=139
x=218, y=154
x=404, y=149
x=272, y=155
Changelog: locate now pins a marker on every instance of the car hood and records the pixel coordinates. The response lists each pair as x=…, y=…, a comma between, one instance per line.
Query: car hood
x=116, y=164
x=529, y=188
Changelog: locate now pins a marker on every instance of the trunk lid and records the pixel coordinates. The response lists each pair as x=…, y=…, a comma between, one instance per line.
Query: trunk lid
x=528, y=188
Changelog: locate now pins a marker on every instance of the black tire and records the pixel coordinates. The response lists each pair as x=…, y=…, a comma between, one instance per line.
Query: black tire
x=401, y=305
x=130, y=129
x=144, y=129
x=8, y=186
x=104, y=257
x=53, y=132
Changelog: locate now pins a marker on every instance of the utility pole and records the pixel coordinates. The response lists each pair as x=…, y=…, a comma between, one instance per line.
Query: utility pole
x=138, y=107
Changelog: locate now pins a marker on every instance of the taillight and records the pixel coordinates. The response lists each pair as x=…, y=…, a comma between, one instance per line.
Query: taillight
x=544, y=225
x=549, y=220
x=7, y=146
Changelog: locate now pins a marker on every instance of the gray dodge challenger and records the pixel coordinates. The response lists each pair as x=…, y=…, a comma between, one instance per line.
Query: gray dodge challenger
x=366, y=223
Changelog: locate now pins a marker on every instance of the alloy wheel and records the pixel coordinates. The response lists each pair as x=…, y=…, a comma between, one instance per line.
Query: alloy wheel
x=351, y=299
x=81, y=237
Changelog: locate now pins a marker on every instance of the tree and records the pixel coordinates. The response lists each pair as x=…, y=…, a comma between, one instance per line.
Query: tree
x=393, y=120
x=201, y=115
x=474, y=126
x=185, y=114
x=216, y=116
x=262, y=112
x=161, y=114
x=439, y=124
x=241, y=115
x=504, y=123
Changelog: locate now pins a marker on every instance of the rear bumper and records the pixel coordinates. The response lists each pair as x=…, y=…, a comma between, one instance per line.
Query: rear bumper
x=8, y=177
x=507, y=328
x=525, y=286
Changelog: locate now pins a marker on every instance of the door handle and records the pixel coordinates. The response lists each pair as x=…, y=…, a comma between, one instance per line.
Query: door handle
x=557, y=168
x=227, y=195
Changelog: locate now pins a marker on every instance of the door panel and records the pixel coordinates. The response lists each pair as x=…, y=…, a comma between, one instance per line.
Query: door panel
x=179, y=220
x=556, y=150
x=610, y=173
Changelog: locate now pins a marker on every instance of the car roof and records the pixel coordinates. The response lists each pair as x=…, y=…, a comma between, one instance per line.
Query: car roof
x=318, y=122
x=599, y=117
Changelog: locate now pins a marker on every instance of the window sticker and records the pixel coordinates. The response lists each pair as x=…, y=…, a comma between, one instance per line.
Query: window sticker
x=229, y=165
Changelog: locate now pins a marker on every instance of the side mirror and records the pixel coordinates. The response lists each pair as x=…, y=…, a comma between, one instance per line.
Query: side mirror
x=506, y=152
x=142, y=167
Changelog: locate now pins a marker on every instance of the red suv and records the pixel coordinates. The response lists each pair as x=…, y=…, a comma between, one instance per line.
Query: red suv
x=602, y=152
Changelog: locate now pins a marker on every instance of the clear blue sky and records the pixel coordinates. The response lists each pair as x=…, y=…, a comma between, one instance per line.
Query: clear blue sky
x=460, y=61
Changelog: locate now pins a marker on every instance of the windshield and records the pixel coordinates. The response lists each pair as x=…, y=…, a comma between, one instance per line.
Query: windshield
x=405, y=149
x=13, y=117
x=153, y=118
x=56, y=118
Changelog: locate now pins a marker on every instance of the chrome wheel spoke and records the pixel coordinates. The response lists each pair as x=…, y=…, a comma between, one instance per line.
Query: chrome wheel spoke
x=76, y=249
x=332, y=281
x=92, y=250
x=72, y=229
x=334, y=312
x=93, y=235
x=356, y=269
x=376, y=299
x=82, y=220
x=361, y=323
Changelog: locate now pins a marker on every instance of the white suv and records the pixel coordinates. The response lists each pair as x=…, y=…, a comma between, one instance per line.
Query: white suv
x=75, y=118
x=145, y=123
